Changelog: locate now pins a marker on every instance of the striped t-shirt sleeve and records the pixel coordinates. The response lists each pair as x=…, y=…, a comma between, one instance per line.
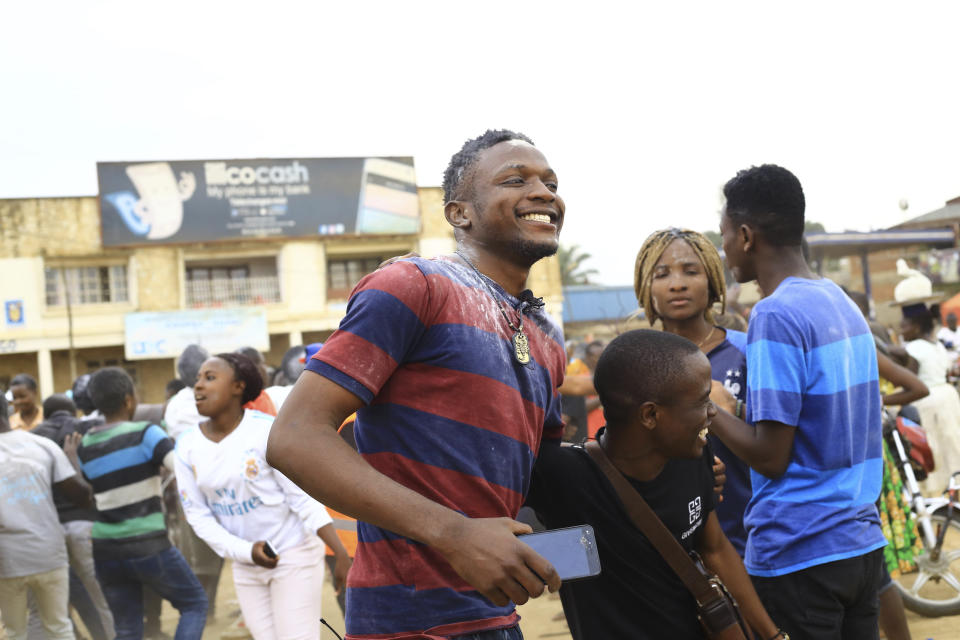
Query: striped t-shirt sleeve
x=156, y=444
x=777, y=365
x=384, y=320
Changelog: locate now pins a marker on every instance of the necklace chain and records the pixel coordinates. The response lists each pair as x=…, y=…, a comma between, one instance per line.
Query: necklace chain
x=483, y=279
x=707, y=337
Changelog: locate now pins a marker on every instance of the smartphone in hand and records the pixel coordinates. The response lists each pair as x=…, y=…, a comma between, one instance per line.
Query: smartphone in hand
x=572, y=551
x=268, y=549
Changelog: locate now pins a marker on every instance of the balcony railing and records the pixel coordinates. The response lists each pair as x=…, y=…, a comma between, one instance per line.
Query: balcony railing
x=233, y=291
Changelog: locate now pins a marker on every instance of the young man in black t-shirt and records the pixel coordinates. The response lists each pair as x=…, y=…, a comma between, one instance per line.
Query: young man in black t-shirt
x=655, y=390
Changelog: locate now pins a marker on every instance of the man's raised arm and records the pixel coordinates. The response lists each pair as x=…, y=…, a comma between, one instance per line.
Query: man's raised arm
x=304, y=445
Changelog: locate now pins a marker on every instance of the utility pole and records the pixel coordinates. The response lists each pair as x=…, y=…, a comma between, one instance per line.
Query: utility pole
x=66, y=295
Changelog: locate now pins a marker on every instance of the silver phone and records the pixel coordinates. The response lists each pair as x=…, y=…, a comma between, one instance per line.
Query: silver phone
x=572, y=551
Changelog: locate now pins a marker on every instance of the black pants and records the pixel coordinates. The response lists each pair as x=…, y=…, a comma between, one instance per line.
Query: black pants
x=833, y=601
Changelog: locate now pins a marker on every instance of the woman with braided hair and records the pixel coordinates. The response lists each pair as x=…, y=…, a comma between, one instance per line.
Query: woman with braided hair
x=679, y=280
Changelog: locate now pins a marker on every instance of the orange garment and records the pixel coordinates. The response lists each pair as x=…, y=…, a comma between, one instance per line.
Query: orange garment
x=595, y=420
x=16, y=422
x=345, y=526
x=263, y=404
x=577, y=367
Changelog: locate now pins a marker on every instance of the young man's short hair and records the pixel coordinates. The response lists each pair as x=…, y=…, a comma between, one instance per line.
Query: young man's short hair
x=58, y=402
x=109, y=389
x=640, y=366
x=770, y=199
x=455, y=184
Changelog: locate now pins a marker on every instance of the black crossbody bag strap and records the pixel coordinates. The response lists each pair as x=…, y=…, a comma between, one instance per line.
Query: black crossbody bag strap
x=645, y=519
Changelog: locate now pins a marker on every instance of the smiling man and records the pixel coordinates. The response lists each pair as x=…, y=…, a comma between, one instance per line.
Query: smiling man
x=655, y=389
x=452, y=367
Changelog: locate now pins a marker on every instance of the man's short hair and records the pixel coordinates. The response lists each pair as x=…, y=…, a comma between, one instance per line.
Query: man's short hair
x=252, y=353
x=109, y=389
x=189, y=362
x=456, y=178
x=770, y=199
x=640, y=366
x=25, y=380
x=4, y=409
x=58, y=402
x=174, y=386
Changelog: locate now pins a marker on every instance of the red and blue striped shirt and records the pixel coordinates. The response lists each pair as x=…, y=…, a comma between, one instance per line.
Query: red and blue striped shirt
x=451, y=415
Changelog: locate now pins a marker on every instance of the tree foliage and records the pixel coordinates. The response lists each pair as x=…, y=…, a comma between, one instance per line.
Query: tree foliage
x=572, y=269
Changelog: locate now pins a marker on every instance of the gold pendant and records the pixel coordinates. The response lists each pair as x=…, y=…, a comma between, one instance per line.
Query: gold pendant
x=521, y=347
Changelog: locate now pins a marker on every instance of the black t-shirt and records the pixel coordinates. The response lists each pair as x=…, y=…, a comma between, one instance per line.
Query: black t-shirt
x=637, y=595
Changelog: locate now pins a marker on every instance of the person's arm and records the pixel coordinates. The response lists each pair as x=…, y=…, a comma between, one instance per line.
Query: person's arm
x=912, y=388
x=900, y=356
x=304, y=445
x=765, y=447
x=341, y=559
x=721, y=558
x=578, y=386
x=74, y=486
x=204, y=523
x=775, y=383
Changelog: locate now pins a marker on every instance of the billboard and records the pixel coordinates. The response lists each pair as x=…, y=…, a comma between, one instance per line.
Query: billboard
x=165, y=334
x=150, y=203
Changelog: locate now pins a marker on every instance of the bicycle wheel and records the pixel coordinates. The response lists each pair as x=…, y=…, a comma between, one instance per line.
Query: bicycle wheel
x=933, y=590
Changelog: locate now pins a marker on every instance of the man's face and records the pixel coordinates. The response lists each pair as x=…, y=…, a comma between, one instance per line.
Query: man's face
x=681, y=425
x=736, y=258
x=23, y=398
x=517, y=212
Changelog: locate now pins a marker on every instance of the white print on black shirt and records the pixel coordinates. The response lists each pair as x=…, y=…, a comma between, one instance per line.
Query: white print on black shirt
x=694, y=508
x=732, y=382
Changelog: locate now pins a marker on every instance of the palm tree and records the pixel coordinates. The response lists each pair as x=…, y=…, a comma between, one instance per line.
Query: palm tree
x=571, y=265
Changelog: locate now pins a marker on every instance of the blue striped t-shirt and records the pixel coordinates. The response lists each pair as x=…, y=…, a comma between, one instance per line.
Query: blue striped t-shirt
x=813, y=365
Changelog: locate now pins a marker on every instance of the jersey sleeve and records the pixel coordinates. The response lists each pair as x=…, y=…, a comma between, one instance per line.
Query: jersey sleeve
x=386, y=317
x=201, y=518
x=776, y=360
x=313, y=514
x=156, y=444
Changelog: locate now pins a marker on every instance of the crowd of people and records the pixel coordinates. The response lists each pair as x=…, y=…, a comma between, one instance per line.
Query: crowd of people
x=405, y=447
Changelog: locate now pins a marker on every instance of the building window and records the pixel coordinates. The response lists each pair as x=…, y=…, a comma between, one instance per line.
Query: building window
x=87, y=285
x=343, y=275
x=224, y=284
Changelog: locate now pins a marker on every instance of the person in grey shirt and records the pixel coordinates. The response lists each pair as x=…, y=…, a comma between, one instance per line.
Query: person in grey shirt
x=33, y=554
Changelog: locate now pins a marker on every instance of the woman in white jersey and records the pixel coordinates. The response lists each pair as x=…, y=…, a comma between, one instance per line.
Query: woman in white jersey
x=238, y=504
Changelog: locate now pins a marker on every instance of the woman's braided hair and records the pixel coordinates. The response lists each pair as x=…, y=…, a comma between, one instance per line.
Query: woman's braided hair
x=650, y=253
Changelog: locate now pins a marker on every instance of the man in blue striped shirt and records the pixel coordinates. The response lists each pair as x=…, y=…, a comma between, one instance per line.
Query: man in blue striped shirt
x=122, y=460
x=814, y=540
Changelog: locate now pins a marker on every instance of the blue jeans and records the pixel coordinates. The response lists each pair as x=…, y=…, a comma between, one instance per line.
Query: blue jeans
x=165, y=572
x=513, y=633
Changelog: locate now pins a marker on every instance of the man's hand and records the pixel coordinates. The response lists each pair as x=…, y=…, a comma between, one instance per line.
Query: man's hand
x=719, y=477
x=722, y=398
x=70, y=445
x=487, y=554
x=341, y=567
x=259, y=556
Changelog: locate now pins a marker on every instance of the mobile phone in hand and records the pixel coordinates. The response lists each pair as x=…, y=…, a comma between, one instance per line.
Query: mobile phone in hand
x=268, y=549
x=572, y=551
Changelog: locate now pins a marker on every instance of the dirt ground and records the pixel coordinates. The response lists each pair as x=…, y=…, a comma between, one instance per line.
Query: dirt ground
x=537, y=618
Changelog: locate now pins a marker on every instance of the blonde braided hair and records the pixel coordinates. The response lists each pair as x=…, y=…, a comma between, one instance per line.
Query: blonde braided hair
x=650, y=253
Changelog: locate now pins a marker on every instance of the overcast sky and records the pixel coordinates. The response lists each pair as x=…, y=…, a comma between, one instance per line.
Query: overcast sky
x=644, y=109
